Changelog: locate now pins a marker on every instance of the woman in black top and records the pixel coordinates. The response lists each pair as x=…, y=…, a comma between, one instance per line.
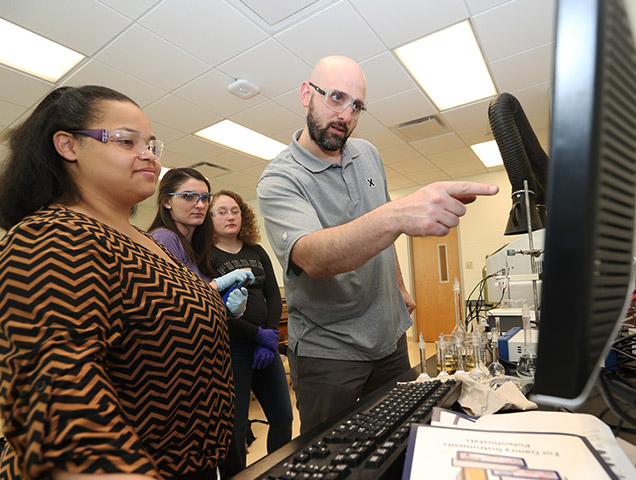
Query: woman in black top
x=256, y=364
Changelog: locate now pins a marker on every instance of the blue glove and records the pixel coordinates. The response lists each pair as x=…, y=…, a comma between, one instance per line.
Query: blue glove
x=267, y=337
x=237, y=301
x=235, y=276
x=263, y=356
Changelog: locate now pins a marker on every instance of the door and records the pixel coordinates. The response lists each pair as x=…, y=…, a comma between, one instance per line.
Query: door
x=436, y=264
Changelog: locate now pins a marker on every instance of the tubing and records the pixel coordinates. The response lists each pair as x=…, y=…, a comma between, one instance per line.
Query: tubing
x=524, y=159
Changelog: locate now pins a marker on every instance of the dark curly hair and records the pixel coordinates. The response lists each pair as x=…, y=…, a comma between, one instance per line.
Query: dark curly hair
x=200, y=251
x=250, y=232
x=34, y=173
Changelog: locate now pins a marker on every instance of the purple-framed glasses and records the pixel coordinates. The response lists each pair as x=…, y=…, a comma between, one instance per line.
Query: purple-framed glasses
x=125, y=139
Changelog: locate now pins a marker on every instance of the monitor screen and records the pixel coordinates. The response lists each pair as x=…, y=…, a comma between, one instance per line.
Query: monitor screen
x=588, y=257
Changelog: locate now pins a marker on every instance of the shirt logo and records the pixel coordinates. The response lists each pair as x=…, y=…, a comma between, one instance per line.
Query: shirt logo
x=371, y=184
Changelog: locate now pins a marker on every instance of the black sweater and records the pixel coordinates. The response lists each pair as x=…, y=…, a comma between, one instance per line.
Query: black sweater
x=264, y=305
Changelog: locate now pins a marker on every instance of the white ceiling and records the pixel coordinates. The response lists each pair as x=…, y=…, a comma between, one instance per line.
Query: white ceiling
x=177, y=57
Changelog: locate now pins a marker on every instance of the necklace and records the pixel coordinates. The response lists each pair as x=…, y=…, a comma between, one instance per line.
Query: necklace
x=230, y=249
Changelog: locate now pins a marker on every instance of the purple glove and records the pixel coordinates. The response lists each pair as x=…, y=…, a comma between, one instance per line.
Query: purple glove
x=267, y=337
x=263, y=356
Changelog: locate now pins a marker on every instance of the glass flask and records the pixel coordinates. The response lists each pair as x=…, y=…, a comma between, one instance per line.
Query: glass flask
x=527, y=363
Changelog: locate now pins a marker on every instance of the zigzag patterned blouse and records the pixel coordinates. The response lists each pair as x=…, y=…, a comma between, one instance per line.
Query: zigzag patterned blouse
x=111, y=358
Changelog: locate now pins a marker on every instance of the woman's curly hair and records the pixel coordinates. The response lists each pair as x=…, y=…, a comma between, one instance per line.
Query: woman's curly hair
x=250, y=231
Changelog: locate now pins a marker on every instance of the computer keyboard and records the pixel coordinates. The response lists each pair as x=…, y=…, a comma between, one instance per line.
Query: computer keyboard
x=369, y=443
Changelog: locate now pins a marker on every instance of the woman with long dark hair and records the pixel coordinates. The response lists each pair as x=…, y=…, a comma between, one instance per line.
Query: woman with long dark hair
x=183, y=226
x=114, y=357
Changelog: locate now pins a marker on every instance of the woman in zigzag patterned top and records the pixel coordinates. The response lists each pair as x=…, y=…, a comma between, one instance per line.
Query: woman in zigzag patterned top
x=114, y=356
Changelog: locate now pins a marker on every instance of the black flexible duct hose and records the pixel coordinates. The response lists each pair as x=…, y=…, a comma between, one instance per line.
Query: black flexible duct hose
x=523, y=158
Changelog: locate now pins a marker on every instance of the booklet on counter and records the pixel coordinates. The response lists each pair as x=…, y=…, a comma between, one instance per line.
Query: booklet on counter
x=444, y=452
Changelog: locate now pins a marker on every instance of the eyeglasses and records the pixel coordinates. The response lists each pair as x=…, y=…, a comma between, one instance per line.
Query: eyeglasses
x=193, y=197
x=125, y=139
x=224, y=212
x=339, y=101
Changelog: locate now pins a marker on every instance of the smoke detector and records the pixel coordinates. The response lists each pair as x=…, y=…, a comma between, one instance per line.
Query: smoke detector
x=243, y=88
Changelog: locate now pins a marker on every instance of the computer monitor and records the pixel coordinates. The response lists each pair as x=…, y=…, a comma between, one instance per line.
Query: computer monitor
x=588, y=263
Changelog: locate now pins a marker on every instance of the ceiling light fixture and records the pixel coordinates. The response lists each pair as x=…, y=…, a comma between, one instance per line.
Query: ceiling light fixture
x=33, y=54
x=241, y=138
x=449, y=66
x=488, y=153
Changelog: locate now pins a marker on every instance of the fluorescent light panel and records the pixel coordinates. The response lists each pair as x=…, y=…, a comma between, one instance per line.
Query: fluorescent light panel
x=31, y=53
x=488, y=153
x=242, y=139
x=449, y=66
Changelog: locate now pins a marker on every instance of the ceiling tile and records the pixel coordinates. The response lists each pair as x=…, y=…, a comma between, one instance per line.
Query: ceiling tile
x=382, y=139
x=20, y=88
x=475, y=135
x=238, y=179
x=291, y=101
x=477, y=6
x=455, y=170
x=10, y=112
x=430, y=175
x=184, y=115
x=196, y=147
x=238, y=161
x=171, y=159
x=368, y=123
x=151, y=55
x=210, y=92
x=272, y=81
x=441, y=143
x=514, y=27
x=468, y=116
x=228, y=160
x=82, y=25
x=205, y=26
x=461, y=155
x=275, y=16
x=396, y=183
x=257, y=170
x=167, y=134
x=131, y=9
x=414, y=165
x=341, y=30
x=524, y=69
x=210, y=172
x=534, y=98
x=398, y=154
x=413, y=19
x=403, y=107
x=97, y=73
x=285, y=137
x=385, y=77
x=268, y=119
x=275, y=12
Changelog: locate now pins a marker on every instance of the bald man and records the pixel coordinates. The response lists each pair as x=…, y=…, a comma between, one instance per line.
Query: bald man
x=332, y=225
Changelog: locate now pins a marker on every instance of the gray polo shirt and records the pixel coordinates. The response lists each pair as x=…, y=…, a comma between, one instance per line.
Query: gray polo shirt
x=357, y=315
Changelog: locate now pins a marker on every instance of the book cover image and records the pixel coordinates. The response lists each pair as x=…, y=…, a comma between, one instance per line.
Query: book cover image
x=467, y=454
